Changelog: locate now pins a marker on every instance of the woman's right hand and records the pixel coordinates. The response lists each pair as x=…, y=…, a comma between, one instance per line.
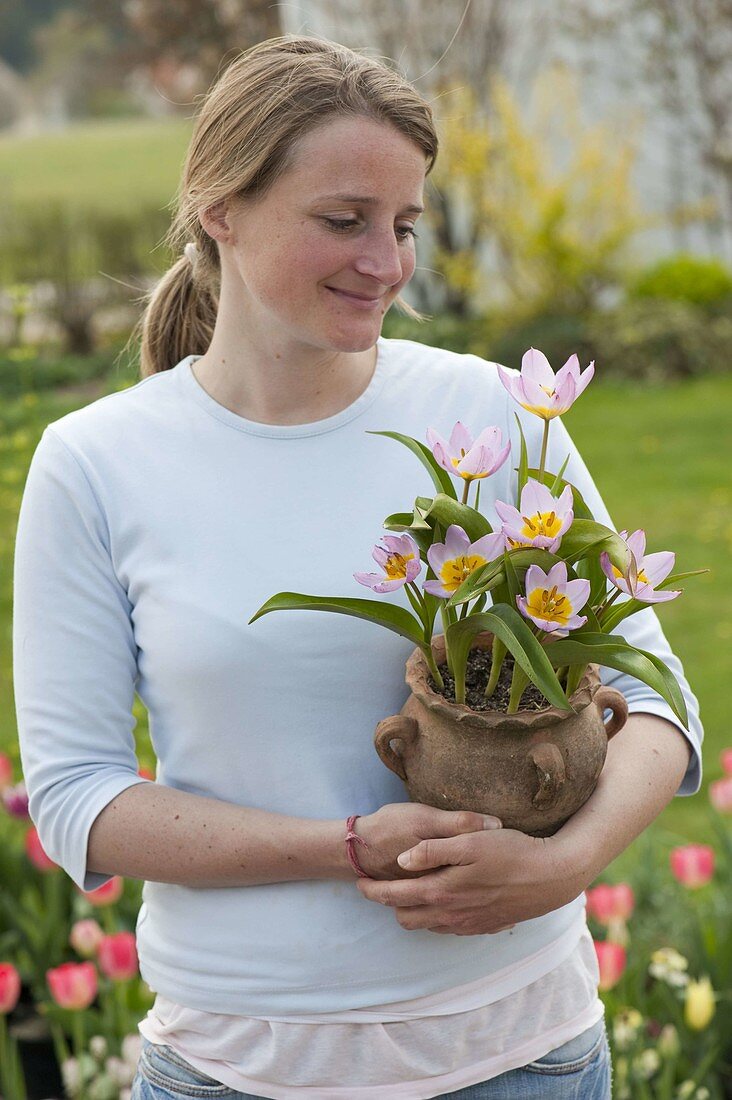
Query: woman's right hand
x=394, y=828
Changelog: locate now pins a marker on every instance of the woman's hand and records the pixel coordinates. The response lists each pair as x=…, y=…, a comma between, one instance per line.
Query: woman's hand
x=398, y=826
x=479, y=882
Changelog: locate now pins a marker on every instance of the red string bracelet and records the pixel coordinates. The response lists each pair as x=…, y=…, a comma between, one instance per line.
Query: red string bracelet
x=351, y=837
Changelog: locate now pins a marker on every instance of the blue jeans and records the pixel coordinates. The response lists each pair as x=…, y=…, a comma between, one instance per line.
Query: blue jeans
x=577, y=1070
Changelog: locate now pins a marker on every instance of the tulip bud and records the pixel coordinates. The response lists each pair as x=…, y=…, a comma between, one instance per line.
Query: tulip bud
x=611, y=960
x=720, y=794
x=117, y=956
x=606, y=903
x=699, y=1004
x=85, y=937
x=98, y=1046
x=106, y=894
x=34, y=851
x=668, y=1041
x=73, y=985
x=9, y=987
x=15, y=800
x=6, y=771
x=692, y=864
x=725, y=758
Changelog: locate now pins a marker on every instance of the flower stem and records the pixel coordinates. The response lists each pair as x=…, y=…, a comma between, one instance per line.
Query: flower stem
x=430, y=659
x=518, y=683
x=544, y=443
x=608, y=603
x=498, y=652
x=466, y=490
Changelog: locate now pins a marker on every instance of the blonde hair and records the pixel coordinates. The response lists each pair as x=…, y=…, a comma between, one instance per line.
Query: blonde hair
x=243, y=140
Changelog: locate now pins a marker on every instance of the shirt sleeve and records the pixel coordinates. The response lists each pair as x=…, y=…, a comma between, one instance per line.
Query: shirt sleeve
x=642, y=630
x=74, y=659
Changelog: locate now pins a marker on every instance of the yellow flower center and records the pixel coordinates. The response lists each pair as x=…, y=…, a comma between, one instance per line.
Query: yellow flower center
x=454, y=571
x=642, y=578
x=548, y=605
x=396, y=565
x=542, y=523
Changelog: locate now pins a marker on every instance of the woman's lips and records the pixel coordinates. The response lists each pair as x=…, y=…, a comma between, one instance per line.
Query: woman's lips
x=359, y=303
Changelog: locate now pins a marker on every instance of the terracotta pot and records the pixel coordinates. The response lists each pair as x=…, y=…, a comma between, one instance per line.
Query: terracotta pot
x=532, y=769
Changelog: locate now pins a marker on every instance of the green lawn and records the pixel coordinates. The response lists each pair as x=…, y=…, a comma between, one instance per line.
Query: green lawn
x=112, y=166
x=661, y=459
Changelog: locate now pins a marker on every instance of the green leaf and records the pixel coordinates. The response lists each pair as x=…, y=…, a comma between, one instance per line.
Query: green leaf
x=616, y=652
x=446, y=510
x=523, y=466
x=620, y=611
x=389, y=615
x=440, y=477
x=511, y=628
x=554, y=487
x=414, y=525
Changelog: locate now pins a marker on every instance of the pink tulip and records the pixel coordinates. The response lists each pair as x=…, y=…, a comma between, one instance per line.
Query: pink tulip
x=726, y=759
x=610, y=903
x=117, y=956
x=541, y=520
x=693, y=864
x=651, y=569
x=456, y=558
x=34, y=851
x=6, y=771
x=9, y=988
x=85, y=937
x=15, y=800
x=539, y=390
x=106, y=894
x=720, y=794
x=468, y=458
x=551, y=601
x=399, y=559
x=611, y=958
x=73, y=985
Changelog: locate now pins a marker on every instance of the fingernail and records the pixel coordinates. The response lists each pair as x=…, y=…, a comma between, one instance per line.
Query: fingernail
x=404, y=859
x=492, y=823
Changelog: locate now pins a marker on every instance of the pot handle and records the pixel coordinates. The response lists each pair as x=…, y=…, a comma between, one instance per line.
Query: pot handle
x=549, y=764
x=616, y=701
x=399, y=727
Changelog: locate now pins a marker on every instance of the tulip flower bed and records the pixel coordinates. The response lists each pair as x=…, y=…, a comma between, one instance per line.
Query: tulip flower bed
x=70, y=990
x=664, y=947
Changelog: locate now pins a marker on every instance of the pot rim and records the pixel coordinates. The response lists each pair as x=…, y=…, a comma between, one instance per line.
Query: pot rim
x=417, y=673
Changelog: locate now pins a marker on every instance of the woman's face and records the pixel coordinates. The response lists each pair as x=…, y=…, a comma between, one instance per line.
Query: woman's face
x=340, y=220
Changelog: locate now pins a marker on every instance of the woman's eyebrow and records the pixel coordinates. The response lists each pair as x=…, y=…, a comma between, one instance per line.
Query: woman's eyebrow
x=367, y=201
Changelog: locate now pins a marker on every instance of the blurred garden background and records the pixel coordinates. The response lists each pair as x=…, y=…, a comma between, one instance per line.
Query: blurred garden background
x=582, y=201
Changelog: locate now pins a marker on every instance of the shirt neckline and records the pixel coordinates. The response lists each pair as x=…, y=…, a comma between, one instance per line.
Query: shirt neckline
x=193, y=388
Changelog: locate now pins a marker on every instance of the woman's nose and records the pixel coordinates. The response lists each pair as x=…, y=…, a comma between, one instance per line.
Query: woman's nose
x=381, y=258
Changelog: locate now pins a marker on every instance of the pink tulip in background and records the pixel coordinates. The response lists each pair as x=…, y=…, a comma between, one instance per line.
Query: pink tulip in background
x=608, y=903
x=9, y=987
x=6, y=771
x=725, y=758
x=539, y=390
x=720, y=794
x=106, y=894
x=611, y=958
x=117, y=956
x=85, y=937
x=34, y=851
x=692, y=864
x=73, y=985
x=15, y=800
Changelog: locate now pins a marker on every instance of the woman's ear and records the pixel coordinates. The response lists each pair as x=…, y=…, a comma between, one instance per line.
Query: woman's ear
x=216, y=221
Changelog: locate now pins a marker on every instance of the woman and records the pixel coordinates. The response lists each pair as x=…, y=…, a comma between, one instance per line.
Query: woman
x=155, y=521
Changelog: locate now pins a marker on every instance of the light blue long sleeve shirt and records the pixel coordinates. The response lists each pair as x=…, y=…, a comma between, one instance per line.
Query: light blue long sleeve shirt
x=154, y=522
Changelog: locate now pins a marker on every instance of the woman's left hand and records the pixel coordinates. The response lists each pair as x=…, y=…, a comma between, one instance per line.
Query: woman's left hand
x=483, y=882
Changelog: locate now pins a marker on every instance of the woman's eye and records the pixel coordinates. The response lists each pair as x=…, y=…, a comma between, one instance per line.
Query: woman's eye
x=337, y=224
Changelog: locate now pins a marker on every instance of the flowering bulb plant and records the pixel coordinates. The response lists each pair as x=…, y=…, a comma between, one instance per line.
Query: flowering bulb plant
x=555, y=576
